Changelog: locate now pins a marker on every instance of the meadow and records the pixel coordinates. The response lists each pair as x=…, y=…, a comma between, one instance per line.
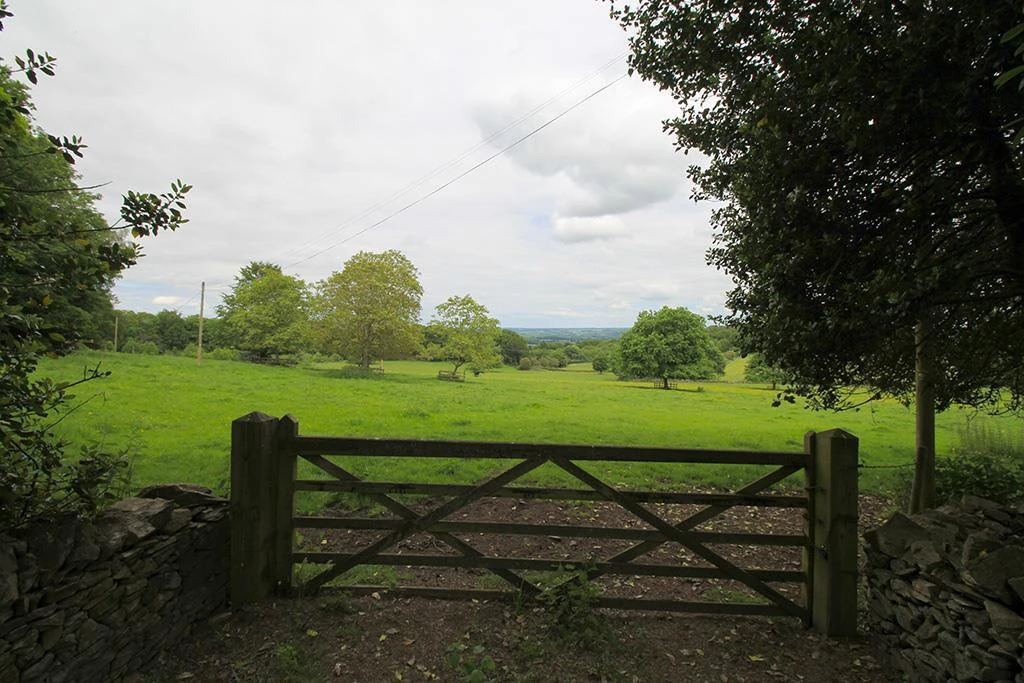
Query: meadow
x=175, y=417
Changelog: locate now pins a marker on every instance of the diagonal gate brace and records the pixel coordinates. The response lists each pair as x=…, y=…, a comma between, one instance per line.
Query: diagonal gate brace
x=408, y=514
x=422, y=523
x=684, y=538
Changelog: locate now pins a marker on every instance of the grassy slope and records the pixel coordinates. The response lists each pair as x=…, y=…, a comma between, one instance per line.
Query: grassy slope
x=178, y=415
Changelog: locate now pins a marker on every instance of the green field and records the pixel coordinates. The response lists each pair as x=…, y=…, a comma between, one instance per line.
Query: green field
x=176, y=416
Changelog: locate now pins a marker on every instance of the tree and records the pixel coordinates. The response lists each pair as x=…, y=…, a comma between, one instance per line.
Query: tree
x=669, y=344
x=513, y=347
x=600, y=363
x=171, y=330
x=371, y=309
x=266, y=312
x=757, y=371
x=58, y=260
x=469, y=335
x=873, y=216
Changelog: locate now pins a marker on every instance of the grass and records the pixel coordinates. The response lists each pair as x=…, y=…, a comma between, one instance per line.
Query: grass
x=176, y=417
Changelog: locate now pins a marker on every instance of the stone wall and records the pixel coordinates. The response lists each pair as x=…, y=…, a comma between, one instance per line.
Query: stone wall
x=97, y=600
x=946, y=591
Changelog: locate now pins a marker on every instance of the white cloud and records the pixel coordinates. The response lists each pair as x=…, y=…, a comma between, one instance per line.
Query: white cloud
x=298, y=126
x=584, y=229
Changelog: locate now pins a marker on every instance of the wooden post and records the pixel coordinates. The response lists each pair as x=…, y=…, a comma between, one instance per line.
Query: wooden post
x=287, y=468
x=253, y=501
x=834, y=602
x=810, y=487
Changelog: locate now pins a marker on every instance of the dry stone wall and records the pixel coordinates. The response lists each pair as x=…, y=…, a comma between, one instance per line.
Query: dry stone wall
x=96, y=600
x=946, y=591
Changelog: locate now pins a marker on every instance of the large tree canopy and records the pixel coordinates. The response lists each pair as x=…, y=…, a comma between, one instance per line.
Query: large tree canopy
x=370, y=310
x=873, y=216
x=467, y=334
x=266, y=312
x=672, y=343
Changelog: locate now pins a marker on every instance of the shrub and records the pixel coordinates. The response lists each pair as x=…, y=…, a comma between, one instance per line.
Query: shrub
x=147, y=348
x=224, y=354
x=987, y=462
x=525, y=363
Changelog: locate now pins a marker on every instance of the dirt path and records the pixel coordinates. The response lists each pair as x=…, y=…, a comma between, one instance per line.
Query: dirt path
x=376, y=638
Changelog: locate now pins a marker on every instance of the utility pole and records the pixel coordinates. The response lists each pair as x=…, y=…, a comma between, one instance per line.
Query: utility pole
x=199, y=343
x=117, y=318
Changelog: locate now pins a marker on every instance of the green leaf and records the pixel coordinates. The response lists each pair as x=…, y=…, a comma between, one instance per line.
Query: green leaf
x=1009, y=76
x=1012, y=33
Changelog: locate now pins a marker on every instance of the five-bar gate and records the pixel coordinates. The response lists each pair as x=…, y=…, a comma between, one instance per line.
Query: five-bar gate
x=264, y=480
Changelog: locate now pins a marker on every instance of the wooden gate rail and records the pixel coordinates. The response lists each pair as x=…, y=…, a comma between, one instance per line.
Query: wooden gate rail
x=265, y=452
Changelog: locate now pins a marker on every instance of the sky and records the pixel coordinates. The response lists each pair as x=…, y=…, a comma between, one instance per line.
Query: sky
x=313, y=130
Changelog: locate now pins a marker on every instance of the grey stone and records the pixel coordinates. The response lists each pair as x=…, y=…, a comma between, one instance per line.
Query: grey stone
x=51, y=544
x=924, y=555
x=1003, y=618
x=895, y=535
x=923, y=590
x=8, y=575
x=87, y=547
x=990, y=571
x=991, y=509
x=967, y=667
x=979, y=543
x=37, y=670
x=50, y=637
x=185, y=495
x=118, y=530
x=210, y=514
x=156, y=511
x=180, y=517
x=1017, y=586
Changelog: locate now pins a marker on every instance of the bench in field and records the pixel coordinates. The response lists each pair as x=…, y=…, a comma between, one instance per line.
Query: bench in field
x=449, y=376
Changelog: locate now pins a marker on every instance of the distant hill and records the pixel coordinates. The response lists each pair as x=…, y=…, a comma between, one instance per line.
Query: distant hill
x=535, y=335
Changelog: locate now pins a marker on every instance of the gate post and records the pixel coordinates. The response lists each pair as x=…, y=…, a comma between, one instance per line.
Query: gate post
x=253, y=499
x=833, y=602
x=286, y=465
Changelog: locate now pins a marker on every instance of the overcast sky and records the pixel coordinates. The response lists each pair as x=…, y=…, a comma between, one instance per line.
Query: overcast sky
x=301, y=125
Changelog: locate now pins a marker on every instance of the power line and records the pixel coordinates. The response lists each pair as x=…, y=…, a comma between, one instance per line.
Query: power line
x=458, y=177
x=444, y=167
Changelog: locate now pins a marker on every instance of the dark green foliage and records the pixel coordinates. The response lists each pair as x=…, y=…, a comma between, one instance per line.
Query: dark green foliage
x=266, y=313
x=668, y=344
x=600, y=363
x=865, y=159
x=987, y=463
x=758, y=371
x=569, y=598
x=58, y=261
x=511, y=345
x=471, y=664
x=172, y=331
x=725, y=337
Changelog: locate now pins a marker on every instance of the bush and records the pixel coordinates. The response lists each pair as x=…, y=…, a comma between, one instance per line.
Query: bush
x=988, y=462
x=525, y=363
x=224, y=354
x=147, y=348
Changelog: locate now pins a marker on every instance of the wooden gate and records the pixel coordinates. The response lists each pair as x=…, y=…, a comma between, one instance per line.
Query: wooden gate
x=266, y=452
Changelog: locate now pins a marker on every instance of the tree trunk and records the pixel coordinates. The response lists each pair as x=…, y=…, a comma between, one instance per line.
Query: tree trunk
x=664, y=382
x=922, y=495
